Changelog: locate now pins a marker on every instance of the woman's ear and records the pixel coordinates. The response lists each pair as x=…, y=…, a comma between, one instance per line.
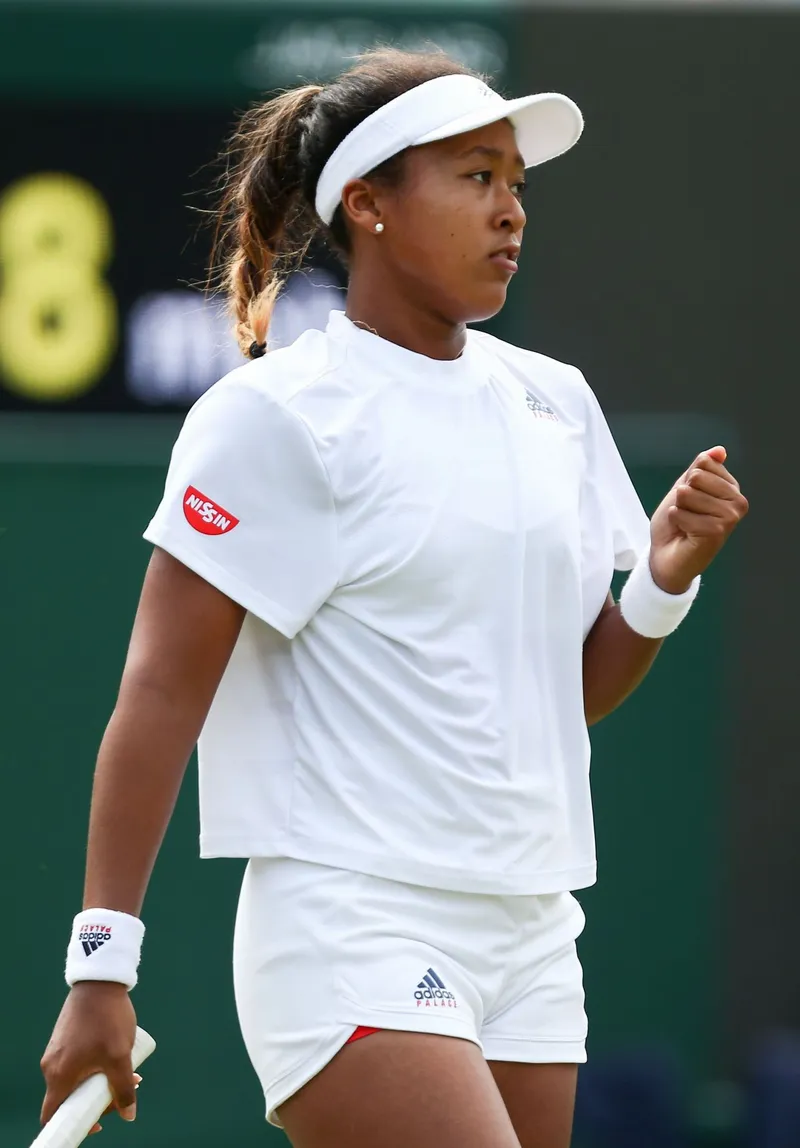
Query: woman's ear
x=360, y=206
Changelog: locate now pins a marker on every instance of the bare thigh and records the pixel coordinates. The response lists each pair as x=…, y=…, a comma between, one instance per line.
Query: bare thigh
x=396, y=1089
x=540, y=1099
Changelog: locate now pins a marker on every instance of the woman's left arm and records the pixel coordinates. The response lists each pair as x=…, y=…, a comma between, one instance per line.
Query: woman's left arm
x=615, y=660
x=687, y=530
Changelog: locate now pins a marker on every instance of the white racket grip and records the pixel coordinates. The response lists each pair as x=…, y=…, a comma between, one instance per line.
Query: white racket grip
x=71, y=1123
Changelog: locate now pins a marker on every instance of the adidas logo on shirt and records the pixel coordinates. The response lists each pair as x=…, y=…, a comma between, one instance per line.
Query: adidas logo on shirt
x=540, y=409
x=431, y=992
x=93, y=936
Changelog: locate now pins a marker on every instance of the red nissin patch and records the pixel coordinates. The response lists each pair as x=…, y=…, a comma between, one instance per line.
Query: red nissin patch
x=206, y=516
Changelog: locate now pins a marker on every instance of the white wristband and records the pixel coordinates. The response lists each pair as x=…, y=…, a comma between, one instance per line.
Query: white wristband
x=105, y=946
x=648, y=609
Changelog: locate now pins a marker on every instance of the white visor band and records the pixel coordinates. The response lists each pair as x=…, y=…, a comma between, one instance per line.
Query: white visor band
x=546, y=126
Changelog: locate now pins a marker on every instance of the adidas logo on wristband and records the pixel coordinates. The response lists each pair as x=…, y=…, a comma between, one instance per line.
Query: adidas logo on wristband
x=92, y=937
x=92, y=957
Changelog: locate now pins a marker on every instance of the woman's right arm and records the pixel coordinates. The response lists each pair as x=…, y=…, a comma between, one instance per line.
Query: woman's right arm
x=182, y=639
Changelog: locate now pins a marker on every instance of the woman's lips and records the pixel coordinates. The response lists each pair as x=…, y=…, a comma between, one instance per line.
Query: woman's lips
x=501, y=259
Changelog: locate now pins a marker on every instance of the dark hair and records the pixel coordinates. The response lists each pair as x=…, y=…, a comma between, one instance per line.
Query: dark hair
x=266, y=218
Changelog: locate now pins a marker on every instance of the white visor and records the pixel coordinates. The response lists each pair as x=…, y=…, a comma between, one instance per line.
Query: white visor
x=546, y=126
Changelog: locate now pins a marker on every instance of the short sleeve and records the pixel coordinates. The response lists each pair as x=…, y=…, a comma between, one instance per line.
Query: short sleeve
x=247, y=505
x=615, y=529
x=611, y=504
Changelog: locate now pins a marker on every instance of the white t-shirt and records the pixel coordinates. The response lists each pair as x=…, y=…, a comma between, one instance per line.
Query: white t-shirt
x=422, y=547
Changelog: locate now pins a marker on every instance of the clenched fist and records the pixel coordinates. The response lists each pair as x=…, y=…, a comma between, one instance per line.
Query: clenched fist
x=694, y=521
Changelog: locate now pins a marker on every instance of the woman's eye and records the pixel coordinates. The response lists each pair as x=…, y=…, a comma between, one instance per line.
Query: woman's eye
x=485, y=177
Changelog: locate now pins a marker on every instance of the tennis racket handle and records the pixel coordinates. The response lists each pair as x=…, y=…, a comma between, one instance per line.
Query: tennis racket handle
x=72, y=1122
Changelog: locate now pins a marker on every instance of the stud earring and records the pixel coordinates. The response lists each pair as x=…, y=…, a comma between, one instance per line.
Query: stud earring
x=379, y=228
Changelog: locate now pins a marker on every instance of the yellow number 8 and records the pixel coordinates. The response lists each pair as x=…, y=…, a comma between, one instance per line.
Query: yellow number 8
x=58, y=318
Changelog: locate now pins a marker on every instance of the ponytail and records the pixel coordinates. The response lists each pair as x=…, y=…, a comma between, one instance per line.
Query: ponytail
x=264, y=224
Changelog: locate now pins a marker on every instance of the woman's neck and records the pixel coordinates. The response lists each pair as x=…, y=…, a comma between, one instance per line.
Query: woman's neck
x=392, y=316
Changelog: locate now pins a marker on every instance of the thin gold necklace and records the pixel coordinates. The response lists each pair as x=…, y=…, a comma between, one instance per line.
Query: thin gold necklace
x=365, y=327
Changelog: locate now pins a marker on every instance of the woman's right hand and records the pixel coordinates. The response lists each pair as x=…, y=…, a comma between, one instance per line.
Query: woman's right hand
x=94, y=1033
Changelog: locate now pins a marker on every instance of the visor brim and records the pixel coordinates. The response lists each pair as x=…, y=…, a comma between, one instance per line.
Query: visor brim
x=546, y=125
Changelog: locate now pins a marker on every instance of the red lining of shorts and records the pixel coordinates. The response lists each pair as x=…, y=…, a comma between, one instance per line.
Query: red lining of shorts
x=362, y=1030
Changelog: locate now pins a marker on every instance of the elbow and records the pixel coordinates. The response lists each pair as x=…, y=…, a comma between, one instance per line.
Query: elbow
x=595, y=713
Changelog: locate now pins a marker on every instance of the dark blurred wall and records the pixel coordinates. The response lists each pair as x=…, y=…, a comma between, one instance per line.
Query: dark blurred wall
x=665, y=261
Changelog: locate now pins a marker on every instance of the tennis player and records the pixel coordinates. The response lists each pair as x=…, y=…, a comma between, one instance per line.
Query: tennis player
x=379, y=595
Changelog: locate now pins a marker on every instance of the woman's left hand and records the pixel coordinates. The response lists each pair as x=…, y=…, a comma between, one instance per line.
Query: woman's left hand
x=694, y=521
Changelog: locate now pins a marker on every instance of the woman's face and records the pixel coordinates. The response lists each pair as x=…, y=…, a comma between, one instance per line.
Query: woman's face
x=453, y=227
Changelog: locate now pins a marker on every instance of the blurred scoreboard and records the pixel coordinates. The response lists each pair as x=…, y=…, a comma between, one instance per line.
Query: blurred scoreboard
x=118, y=113
x=102, y=304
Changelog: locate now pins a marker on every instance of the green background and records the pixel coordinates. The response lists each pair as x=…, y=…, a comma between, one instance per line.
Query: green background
x=72, y=562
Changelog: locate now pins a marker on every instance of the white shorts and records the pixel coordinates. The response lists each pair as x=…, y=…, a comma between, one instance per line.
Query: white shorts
x=319, y=952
